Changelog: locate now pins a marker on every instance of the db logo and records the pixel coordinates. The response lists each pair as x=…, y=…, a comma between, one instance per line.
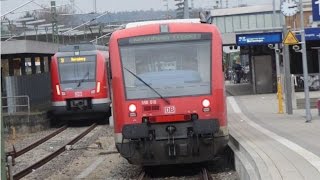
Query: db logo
x=169, y=109
x=78, y=94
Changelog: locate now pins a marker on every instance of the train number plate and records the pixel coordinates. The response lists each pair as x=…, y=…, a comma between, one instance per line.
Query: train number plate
x=78, y=94
x=169, y=109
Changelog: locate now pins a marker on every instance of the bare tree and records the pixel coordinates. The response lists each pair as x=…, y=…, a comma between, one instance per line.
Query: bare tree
x=63, y=12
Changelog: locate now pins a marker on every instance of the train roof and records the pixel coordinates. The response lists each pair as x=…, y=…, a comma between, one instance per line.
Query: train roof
x=82, y=47
x=142, y=23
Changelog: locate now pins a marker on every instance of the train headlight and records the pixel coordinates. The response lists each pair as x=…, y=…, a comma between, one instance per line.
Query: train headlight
x=58, y=90
x=98, y=87
x=205, y=103
x=132, y=108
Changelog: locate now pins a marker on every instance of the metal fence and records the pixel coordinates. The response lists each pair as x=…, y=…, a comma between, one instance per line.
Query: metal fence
x=36, y=87
x=13, y=105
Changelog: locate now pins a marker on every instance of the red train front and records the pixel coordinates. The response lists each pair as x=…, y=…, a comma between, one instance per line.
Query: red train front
x=169, y=102
x=79, y=82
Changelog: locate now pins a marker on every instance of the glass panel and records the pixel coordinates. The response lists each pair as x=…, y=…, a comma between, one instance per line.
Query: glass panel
x=37, y=63
x=214, y=21
x=236, y=23
x=171, y=69
x=77, y=72
x=4, y=67
x=229, y=24
x=28, y=66
x=260, y=21
x=277, y=20
x=220, y=24
x=244, y=22
x=268, y=20
x=16, y=67
x=46, y=64
x=252, y=22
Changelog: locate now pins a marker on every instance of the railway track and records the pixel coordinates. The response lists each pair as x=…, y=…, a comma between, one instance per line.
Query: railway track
x=203, y=175
x=142, y=175
x=14, y=154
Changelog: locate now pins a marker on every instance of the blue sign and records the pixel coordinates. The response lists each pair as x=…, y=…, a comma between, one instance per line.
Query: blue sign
x=315, y=10
x=258, y=38
x=311, y=34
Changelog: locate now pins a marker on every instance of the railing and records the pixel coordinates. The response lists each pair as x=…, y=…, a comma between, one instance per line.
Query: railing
x=13, y=104
x=313, y=81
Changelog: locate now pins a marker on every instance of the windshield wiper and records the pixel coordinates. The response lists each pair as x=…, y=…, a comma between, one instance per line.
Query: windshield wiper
x=80, y=81
x=166, y=100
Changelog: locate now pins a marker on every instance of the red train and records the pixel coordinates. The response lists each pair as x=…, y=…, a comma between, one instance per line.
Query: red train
x=170, y=103
x=79, y=82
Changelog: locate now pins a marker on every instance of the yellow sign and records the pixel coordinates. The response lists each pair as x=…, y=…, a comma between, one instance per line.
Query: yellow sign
x=290, y=39
x=78, y=59
x=61, y=60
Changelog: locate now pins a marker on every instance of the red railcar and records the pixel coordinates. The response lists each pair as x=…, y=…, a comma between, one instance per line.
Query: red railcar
x=169, y=103
x=79, y=83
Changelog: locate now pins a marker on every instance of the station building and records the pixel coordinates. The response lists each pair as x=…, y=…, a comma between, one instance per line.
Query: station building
x=253, y=29
x=245, y=21
x=25, y=66
x=249, y=29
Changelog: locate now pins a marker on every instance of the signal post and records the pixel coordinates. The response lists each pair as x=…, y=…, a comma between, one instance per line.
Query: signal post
x=290, y=8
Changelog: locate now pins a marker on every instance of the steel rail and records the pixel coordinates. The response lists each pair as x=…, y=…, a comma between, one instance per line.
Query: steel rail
x=15, y=154
x=46, y=159
x=141, y=175
x=204, y=175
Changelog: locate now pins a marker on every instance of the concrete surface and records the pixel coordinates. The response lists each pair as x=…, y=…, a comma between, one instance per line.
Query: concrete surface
x=272, y=145
x=20, y=123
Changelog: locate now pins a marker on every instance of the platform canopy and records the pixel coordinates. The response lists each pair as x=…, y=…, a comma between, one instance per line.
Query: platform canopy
x=27, y=46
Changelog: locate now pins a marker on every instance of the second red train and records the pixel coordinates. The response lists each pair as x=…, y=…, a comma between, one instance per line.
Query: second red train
x=79, y=82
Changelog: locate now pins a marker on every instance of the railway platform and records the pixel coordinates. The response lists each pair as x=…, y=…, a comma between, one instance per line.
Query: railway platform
x=269, y=145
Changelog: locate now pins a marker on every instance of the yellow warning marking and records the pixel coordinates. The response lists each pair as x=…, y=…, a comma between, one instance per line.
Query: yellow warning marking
x=290, y=39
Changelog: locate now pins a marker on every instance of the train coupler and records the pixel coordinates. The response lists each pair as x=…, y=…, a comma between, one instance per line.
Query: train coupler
x=171, y=144
x=172, y=150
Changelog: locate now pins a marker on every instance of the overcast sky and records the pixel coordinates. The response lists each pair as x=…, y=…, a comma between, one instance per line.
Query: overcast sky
x=85, y=6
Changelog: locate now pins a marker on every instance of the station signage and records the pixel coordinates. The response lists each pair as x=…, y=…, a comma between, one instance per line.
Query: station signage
x=311, y=34
x=316, y=10
x=258, y=38
x=168, y=37
x=164, y=38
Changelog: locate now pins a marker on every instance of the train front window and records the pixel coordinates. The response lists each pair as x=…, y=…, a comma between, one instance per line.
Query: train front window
x=77, y=72
x=173, y=69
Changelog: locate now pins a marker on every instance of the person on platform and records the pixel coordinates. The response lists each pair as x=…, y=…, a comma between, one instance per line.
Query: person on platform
x=237, y=69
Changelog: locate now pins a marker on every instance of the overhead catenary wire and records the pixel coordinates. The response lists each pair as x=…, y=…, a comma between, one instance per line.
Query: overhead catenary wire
x=40, y=9
x=11, y=37
x=83, y=24
x=101, y=37
x=42, y=6
x=16, y=8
